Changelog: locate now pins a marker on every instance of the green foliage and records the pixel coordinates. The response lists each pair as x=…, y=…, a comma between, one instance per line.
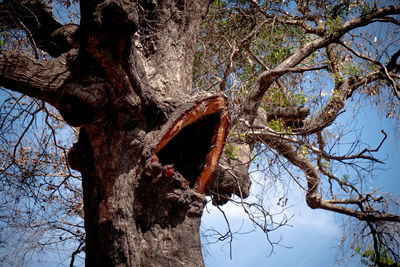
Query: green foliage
x=278, y=97
x=367, y=8
x=342, y=8
x=303, y=150
x=277, y=125
x=223, y=31
x=369, y=257
x=352, y=69
x=3, y=38
x=215, y=48
x=345, y=178
x=279, y=42
x=280, y=126
x=280, y=54
x=326, y=164
x=229, y=151
x=333, y=26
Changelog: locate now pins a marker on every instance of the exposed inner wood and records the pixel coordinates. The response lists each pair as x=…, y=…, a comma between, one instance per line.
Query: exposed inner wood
x=195, y=142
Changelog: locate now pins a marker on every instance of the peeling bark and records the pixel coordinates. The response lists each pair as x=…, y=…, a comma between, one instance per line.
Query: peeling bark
x=203, y=128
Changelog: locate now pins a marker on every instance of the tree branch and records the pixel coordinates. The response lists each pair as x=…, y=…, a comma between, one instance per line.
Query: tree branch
x=367, y=19
x=313, y=199
x=388, y=20
x=37, y=20
x=259, y=133
x=332, y=109
x=39, y=79
x=268, y=77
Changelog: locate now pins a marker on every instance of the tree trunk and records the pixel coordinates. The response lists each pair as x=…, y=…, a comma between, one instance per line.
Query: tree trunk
x=148, y=146
x=144, y=192
x=147, y=149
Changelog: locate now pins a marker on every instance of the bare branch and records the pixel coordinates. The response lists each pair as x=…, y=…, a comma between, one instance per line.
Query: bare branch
x=268, y=77
x=369, y=18
x=235, y=49
x=287, y=66
x=313, y=199
x=388, y=20
x=259, y=133
x=40, y=79
x=80, y=249
x=41, y=26
x=391, y=65
x=332, y=109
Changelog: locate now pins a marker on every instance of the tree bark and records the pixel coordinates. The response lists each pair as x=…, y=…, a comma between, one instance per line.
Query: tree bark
x=148, y=147
x=139, y=209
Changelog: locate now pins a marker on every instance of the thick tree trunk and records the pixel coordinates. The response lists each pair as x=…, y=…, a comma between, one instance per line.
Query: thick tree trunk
x=147, y=158
x=147, y=147
x=139, y=209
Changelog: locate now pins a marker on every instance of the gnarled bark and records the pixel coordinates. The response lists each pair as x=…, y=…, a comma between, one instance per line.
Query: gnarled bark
x=147, y=147
x=41, y=27
x=146, y=189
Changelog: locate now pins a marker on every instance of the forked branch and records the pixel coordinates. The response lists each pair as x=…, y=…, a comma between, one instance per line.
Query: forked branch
x=315, y=200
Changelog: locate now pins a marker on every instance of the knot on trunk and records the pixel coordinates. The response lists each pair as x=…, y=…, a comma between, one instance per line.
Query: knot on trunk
x=81, y=103
x=313, y=200
x=63, y=39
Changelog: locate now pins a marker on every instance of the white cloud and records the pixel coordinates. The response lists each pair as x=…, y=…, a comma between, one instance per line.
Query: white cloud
x=318, y=220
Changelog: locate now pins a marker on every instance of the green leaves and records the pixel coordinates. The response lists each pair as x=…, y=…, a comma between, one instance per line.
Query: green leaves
x=345, y=178
x=282, y=98
x=333, y=26
x=367, y=8
x=369, y=257
x=237, y=43
x=3, y=38
x=229, y=151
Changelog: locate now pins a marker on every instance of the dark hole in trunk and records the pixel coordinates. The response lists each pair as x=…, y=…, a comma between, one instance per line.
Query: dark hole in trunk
x=187, y=151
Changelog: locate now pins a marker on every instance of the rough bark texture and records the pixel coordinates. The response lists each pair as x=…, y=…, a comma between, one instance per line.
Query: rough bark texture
x=136, y=214
x=148, y=149
x=147, y=146
x=140, y=209
x=231, y=175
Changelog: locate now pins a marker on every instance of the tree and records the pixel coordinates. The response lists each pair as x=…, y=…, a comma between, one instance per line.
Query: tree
x=153, y=87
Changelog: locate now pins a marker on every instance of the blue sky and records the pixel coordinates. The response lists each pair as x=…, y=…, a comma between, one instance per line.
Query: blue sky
x=315, y=234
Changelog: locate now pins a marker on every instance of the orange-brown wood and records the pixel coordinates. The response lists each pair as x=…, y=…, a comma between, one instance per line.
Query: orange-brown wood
x=203, y=108
x=218, y=143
